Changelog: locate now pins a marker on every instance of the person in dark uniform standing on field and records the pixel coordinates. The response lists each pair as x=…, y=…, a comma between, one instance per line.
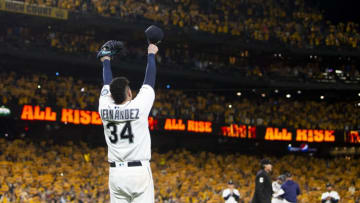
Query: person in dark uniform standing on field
x=291, y=189
x=263, y=188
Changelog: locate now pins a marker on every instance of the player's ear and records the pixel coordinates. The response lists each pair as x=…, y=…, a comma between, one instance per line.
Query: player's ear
x=129, y=93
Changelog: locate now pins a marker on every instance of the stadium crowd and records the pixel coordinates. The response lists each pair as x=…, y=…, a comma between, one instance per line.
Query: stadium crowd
x=69, y=92
x=47, y=172
x=295, y=23
x=182, y=57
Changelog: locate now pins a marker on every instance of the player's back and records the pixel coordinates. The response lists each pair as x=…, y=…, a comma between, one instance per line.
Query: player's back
x=126, y=125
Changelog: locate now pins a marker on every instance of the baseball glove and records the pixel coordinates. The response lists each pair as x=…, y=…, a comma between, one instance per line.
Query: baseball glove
x=111, y=48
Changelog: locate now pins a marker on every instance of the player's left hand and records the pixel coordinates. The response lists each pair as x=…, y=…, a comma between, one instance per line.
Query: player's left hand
x=102, y=59
x=111, y=48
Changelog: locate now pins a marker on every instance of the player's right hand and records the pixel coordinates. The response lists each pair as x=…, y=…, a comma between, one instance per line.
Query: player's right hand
x=152, y=49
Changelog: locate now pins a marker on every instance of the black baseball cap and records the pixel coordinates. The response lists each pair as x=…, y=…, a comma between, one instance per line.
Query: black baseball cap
x=288, y=174
x=328, y=185
x=265, y=162
x=154, y=34
x=230, y=182
x=281, y=177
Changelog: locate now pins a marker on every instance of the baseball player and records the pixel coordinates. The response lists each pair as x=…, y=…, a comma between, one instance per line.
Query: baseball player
x=125, y=121
x=291, y=189
x=330, y=196
x=231, y=194
x=276, y=186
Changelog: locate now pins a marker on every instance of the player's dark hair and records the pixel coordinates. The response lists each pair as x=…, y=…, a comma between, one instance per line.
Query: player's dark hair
x=118, y=88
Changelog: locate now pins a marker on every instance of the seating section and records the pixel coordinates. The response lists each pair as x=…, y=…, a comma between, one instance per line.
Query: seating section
x=220, y=107
x=44, y=172
x=294, y=23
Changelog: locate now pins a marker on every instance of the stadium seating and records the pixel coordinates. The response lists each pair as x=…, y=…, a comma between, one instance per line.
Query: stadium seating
x=67, y=92
x=294, y=23
x=43, y=172
x=181, y=58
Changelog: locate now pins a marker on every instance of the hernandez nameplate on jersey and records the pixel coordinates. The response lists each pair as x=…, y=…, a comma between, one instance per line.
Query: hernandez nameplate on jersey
x=126, y=125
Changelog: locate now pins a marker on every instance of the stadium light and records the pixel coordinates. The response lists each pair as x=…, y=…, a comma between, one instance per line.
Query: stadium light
x=359, y=94
x=39, y=86
x=322, y=97
x=276, y=91
x=299, y=91
x=230, y=106
x=263, y=94
x=239, y=94
x=4, y=111
x=288, y=96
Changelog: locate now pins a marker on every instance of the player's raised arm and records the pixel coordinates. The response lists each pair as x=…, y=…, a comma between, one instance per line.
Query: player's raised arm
x=146, y=95
x=107, y=73
x=150, y=73
x=109, y=49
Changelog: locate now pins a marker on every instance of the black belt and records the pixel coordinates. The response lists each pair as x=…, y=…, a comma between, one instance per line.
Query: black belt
x=130, y=164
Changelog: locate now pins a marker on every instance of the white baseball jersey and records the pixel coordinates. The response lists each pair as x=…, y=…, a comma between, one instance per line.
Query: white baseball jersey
x=277, y=193
x=231, y=199
x=126, y=126
x=332, y=194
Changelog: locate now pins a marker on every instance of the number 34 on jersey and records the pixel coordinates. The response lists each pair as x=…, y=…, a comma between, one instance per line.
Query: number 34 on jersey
x=125, y=132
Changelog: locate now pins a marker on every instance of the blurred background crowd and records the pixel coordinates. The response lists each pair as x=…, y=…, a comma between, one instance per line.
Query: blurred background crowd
x=295, y=23
x=48, y=172
x=182, y=56
x=220, y=107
